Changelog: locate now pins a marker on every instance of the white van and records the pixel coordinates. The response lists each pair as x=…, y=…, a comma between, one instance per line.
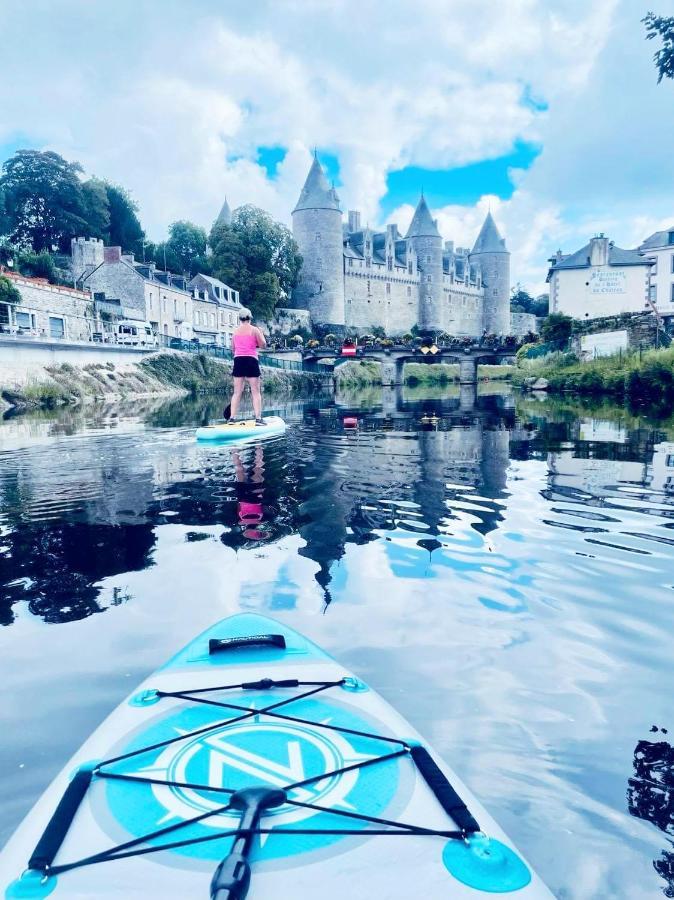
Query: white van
x=136, y=334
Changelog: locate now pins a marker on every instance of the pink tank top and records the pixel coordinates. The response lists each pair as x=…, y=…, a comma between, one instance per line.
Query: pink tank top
x=245, y=345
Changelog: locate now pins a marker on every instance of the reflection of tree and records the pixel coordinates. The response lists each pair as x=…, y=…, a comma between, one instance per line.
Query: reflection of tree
x=650, y=796
x=54, y=567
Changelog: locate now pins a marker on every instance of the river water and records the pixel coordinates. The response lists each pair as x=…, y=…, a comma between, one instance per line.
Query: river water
x=504, y=576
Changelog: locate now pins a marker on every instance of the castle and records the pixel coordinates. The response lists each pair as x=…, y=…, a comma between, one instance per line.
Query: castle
x=358, y=279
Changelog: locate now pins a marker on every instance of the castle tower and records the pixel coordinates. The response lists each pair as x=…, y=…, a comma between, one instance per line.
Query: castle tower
x=493, y=258
x=317, y=227
x=424, y=238
x=86, y=254
x=225, y=215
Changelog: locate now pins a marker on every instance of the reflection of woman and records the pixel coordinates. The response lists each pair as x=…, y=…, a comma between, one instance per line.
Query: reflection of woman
x=249, y=495
x=246, y=341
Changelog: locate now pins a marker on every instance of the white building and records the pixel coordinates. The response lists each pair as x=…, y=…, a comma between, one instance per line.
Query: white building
x=216, y=310
x=599, y=280
x=659, y=248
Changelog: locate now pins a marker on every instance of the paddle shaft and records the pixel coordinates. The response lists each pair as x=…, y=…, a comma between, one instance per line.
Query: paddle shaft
x=231, y=879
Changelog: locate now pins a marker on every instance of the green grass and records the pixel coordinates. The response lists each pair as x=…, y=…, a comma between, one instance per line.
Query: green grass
x=430, y=373
x=646, y=378
x=358, y=373
x=494, y=373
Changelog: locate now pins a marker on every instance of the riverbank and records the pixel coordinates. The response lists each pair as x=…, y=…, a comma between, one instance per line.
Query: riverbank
x=636, y=378
x=166, y=374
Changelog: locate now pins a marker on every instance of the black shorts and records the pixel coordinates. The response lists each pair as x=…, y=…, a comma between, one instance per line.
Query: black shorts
x=246, y=367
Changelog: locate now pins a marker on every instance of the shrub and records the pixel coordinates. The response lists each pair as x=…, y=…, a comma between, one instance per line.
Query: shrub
x=556, y=327
x=8, y=292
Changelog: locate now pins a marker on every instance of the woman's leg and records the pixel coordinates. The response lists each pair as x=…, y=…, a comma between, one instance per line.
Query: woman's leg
x=256, y=396
x=236, y=396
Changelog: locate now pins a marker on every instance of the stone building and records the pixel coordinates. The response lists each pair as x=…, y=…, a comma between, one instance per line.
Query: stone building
x=49, y=310
x=659, y=248
x=216, y=310
x=356, y=278
x=599, y=280
x=138, y=290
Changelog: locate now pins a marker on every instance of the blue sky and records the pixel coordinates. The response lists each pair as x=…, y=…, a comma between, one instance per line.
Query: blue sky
x=548, y=114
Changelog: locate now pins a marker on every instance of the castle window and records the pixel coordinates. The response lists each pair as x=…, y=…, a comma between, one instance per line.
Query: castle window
x=350, y=263
x=409, y=291
x=495, y=292
x=318, y=235
x=388, y=287
x=429, y=278
x=409, y=267
x=428, y=259
x=368, y=287
x=390, y=263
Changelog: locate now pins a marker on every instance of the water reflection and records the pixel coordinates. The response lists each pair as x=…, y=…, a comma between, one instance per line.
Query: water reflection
x=650, y=796
x=513, y=558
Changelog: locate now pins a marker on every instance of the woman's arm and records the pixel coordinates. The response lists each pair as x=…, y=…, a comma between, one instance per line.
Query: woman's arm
x=259, y=337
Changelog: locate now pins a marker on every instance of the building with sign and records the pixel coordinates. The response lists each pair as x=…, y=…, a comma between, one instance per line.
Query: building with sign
x=659, y=248
x=599, y=280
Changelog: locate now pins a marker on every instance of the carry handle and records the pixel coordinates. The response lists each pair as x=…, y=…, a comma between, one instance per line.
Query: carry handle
x=215, y=645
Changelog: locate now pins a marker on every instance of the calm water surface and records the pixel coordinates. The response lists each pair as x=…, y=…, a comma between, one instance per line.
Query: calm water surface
x=504, y=576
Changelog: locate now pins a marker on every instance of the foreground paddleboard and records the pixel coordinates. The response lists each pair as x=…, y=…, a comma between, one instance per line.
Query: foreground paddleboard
x=358, y=807
x=231, y=431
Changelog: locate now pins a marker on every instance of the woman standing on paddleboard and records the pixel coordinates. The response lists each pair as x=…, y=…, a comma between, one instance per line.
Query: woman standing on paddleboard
x=246, y=341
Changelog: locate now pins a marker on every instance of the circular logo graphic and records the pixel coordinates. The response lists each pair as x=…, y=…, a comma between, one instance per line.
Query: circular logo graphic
x=259, y=751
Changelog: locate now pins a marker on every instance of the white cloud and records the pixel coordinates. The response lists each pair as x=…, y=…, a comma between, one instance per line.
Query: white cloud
x=172, y=100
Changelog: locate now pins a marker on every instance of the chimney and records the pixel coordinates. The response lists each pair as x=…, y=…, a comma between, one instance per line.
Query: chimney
x=112, y=254
x=449, y=246
x=354, y=220
x=599, y=251
x=128, y=258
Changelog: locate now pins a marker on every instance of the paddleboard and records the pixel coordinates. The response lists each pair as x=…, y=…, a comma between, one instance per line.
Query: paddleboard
x=253, y=764
x=229, y=431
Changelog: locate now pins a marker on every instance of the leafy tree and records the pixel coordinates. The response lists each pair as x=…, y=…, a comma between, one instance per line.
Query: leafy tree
x=36, y=265
x=188, y=243
x=258, y=257
x=124, y=230
x=8, y=291
x=97, y=209
x=520, y=299
x=557, y=327
x=43, y=200
x=662, y=27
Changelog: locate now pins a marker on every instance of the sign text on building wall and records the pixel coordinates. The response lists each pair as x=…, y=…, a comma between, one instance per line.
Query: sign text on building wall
x=604, y=281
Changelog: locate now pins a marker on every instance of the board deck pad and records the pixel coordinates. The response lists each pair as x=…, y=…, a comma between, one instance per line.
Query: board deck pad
x=253, y=703
x=241, y=429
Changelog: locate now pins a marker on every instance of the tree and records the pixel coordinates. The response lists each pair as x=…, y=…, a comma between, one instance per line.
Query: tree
x=8, y=292
x=124, y=230
x=520, y=299
x=557, y=327
x=188, y=243
x=43, y=201
x=97, y=209
x=258, y=257
x=662, y=27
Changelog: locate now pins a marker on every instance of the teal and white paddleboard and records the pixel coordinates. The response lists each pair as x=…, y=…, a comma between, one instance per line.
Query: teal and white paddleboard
x=253, y=764
x=230, y=431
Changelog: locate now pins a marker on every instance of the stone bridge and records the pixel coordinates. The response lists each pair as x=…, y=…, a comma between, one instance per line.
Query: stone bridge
x=393, y=359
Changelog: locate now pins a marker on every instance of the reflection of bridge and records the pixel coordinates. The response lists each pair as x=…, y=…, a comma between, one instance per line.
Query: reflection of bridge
x=393, y=359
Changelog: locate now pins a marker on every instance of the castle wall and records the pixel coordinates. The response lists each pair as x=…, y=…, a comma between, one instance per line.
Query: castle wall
x=463, y=310
x=320, y=288
x=377, y=297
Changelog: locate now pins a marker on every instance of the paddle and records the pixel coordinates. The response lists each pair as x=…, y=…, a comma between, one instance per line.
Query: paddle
x=231, y=879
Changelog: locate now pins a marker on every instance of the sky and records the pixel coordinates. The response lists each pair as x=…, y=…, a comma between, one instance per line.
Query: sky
x=547, y=113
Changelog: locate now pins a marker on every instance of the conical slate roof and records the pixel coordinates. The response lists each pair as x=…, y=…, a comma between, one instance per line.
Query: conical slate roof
x=422, y=224
x=317, y=193
x=225, y=216
x=489, y=239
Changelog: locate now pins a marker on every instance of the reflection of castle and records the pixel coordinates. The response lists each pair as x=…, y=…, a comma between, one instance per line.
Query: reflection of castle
x=376, y=480
x=358, y=278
